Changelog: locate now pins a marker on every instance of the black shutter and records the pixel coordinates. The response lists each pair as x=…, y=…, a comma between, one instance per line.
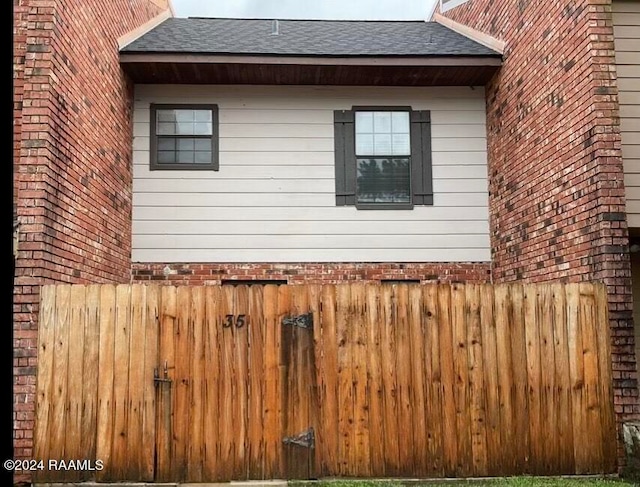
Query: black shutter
x=421, y=174
x=345, y=157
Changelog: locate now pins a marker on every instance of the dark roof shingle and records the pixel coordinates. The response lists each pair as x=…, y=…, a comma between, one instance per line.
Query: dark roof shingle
x=306, y=38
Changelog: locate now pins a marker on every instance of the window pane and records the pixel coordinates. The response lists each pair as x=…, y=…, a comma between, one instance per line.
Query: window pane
x=202, y=128
x=364, y=122
x=183, y=115
x=184, y=128
x=185, y=144
x=166, y=143
x=203, y=115
x=185, y=157
x=400, y=145
x=364, y=144
x=382, y=144
x=382, y=122
x=400, y=122
x=166, y=115
x=203, y=157
x=383, y=180
x=166, y=157
x=166, y=128
x=202, y=144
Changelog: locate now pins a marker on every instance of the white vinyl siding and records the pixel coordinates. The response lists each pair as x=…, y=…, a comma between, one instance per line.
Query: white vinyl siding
x=626, y=29
x=273, y=199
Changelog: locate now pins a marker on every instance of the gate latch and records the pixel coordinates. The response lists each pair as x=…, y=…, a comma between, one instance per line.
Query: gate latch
x=305, y=439
x=302, y=321
x=157, y=380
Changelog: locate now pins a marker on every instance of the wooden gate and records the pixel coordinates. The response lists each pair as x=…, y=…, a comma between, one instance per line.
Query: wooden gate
x=215, y=383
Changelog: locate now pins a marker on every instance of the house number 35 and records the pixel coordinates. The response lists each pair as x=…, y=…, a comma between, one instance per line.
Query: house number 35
x=234, y=320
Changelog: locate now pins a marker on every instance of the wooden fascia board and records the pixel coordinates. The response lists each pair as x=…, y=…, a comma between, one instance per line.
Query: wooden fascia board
x=473, y=34
x=132, y=57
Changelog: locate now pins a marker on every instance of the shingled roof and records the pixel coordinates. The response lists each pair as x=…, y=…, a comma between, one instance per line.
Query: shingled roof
x=323, y=38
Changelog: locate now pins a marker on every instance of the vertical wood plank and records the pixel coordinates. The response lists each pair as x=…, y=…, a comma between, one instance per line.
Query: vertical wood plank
x=329, y=382
x=592, y=401
x=376, y=406
x=195, y=439
x=135, y=390
x=73, y=400
x=421, y=409
x=490, y=372
x=104, y=420
x=576, y=374
x=360, y=382
x=212, y=386
x=151, y=344
x=448, y=345
x=227, y=390
x=121, y=380
x=520, y=378
x=389, y=383
x=532, y=337
x=505, y=387
x=272, y=403
x=165, y=391
x=240, y=374
x=404, y=364
x=607, y=417
x=44, y=383
x=476, y=381
x=346, y=447
x=433, y=371
x=314, y=306
x=566, y=463
x=181, y=386
x=90, y=376
x=286, y=338
x=548, y=396
x=60, y=378
x=461, y=389
x=255, y=436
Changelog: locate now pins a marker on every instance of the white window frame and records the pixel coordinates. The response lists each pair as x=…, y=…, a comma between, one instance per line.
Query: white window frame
x=449, y=4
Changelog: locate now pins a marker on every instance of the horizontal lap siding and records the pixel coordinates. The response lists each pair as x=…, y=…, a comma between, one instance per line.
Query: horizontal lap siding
x=273, y=199
x=626, y=21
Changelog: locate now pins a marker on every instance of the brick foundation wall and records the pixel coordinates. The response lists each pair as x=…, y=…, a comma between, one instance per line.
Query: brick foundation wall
x=556, y=180
x=72, y=163
x=312, y=273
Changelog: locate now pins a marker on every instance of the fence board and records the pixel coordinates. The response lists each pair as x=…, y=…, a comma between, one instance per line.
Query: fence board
x=396, y=380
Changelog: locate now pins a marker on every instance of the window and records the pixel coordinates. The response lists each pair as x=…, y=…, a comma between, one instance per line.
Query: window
x=383, y=157
x=184, y=137
x=449, y=4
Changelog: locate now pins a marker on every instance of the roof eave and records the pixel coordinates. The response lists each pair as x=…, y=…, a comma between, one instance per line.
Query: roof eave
x=189, y=68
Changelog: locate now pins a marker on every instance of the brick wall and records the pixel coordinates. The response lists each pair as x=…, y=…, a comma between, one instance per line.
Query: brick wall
x=72, y=173
x=312, y=273
x=556, y=182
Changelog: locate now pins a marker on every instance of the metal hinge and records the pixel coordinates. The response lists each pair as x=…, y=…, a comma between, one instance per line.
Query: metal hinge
x=302, y=321
x=305, y=439
x=157, y=380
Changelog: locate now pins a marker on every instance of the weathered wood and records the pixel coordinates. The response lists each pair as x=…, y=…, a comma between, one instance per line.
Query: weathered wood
x=44, y=381
x=104, y=420
x=90, y=375
x=328, y=381
x=135, y=389
x=212, y=386
x=376, y=407
x=272, y=396
x=396, y=380
x=165, y=391
x=195, y=439
x=255, y=437
x=150, y=321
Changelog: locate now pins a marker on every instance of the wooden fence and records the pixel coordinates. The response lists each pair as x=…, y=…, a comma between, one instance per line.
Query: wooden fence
x=361, y=380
